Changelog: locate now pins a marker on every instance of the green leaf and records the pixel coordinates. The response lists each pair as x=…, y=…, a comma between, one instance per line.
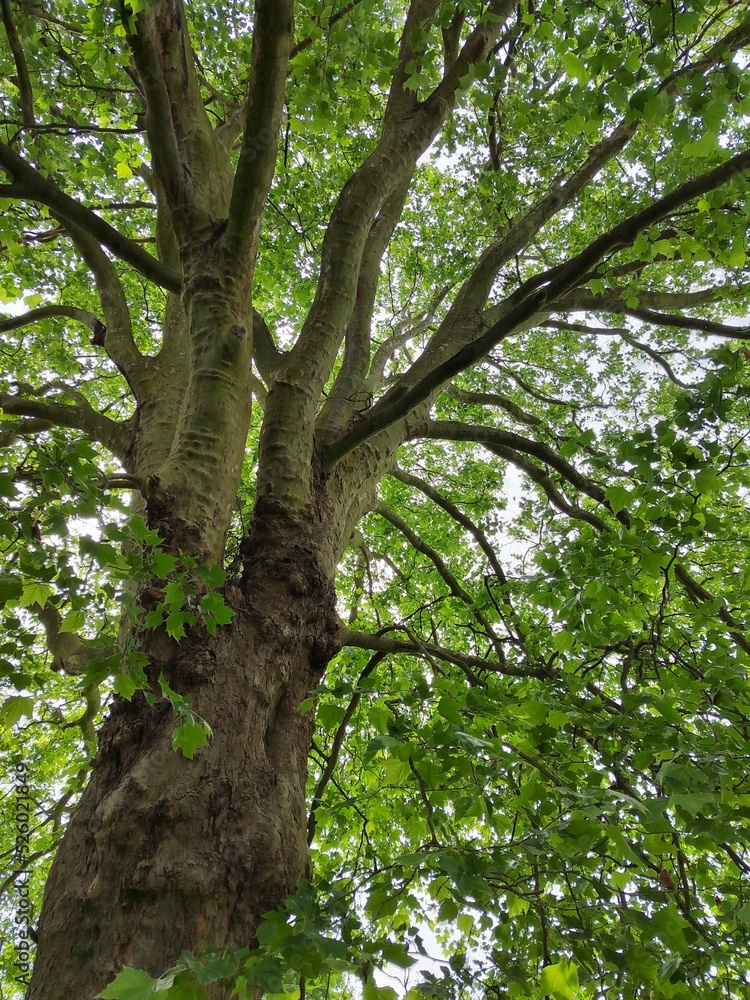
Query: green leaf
x=130, y=984
x=126, y=686
x=189, y=736
x=175, y=594
x=561, y=980
x=35, y=593
x=372, y=992
x=7, y=486
x=73, y=621
x=141, y=531
x=708, y=481
x=15, y=708
x=214, y=604
x=162, y=563
x=184, y=987
x=176, y=621
x=618, y=497
x=210, y=969
x=11, y=587
x=450, y=711
x=267, y=972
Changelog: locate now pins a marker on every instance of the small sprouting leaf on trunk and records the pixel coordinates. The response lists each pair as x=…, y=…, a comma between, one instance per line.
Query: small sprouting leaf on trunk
x=213, y=576
x=162, y=563
x=126, y=686
x=190, y=735
x=208, y=970
x=142, y=532
x=185, y=987
x=176, y=622
x=267, y=973
x=215, y=605
x=130, y=984
x=154, y=618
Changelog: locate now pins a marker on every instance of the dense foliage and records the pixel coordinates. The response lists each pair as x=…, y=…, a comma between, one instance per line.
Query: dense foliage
x=531, y=755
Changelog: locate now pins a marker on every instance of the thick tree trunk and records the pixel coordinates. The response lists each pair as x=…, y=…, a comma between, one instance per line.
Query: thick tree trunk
x=165, y=854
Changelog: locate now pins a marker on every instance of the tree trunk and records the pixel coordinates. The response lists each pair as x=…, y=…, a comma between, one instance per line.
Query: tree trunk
x=163, y=853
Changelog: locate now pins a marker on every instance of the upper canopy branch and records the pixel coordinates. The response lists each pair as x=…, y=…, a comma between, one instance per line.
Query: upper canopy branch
x=456, y=589
x=409, y=128
x=610, y=301
x=466, y=661
x=46, y=312
x=453, y=430
x=534, y=296
x=32, y=185
x=273, y=35
x=112, y=434
x=25, y=90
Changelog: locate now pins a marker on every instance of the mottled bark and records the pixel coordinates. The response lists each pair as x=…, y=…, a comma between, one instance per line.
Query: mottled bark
x=165, y=854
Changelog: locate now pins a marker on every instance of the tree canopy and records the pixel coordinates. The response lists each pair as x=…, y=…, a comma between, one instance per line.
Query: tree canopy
x=482, y=267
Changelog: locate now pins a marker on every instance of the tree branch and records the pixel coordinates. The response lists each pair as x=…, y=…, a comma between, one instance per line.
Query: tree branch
x=338, y=742
x=46, y=312
x=342, y=400
x=450, y=430
x=536, y=294
x=113, y=435
x=272, y=42
x=409, y=128
x=625, y=336
x=494, y=399
x=29, y=183
x=117, y=336
x=467, y=662
x=584, y=300
x=444, y=573
x=611, y=301
x=25, y=91
x=305, y=43
x=458, y=516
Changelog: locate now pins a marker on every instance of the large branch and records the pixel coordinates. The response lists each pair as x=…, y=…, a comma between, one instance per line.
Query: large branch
x=344, y=398
x=612, y=302
x=408, y=130
x=117, y=337
x=191, y=166
x=509, y=445
x=47, y=312
x=563, y=191
x=32, y=185
x=584, y=300
x=466, y=661
x=419, y=545
x=538, y=294
x=25, y=91
x=273, y=35
x=113, y=435
x=409, y=127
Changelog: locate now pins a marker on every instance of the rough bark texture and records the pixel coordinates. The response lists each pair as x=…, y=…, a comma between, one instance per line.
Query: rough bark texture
x=165, y=854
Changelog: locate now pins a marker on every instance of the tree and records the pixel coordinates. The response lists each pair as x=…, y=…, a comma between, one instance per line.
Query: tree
x=476, y=556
